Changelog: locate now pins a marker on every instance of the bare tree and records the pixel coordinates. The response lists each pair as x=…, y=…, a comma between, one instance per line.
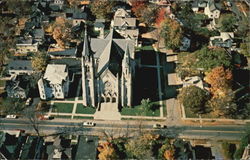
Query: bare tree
x=32, y=115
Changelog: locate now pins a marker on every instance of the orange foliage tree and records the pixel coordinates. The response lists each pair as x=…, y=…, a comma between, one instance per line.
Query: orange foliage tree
x=161, y=16
x=138, y=6
x=220, y=80
x=107, y=151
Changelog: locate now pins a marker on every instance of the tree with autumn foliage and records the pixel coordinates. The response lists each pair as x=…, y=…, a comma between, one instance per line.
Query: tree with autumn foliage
x=160, y=16
x=138, y=7
x=166, y=151
x=39, y=61
x=107, y=151
x=223, y=98
x=220, y=80
x=172, y=33
x=102, y=9
x=141, y=147
x=74, y=3
x=61, y=31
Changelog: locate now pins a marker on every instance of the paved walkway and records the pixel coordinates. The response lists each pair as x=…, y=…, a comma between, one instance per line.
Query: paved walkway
x=76, y=99
x=108, y=111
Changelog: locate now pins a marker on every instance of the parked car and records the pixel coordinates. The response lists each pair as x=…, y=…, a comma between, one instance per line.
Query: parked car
x=90, y=124
x=11, y=116
x=159, y=126
x=28, y=101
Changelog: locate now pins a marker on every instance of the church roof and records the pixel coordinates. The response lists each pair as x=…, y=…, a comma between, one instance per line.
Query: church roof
x=110, y=51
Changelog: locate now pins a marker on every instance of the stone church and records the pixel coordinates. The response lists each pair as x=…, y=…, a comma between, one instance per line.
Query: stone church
x=108, y=70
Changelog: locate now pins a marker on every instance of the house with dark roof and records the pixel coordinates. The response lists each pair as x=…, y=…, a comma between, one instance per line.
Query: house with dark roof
x=56, y=52
x=60, y=148
x=10, y=145
x=199, y=5
x=32, y=148
x=18, y=87
x=17, y=67
x=86, y=147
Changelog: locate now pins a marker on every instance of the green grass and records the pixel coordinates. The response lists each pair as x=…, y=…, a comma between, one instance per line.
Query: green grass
x=190, y=114
x=62, y=107
x=84, y=110
x=81, y=117
x=143, y=119
x=139, y=111
x=149, y=47
x=164, y=111
x=70, y=99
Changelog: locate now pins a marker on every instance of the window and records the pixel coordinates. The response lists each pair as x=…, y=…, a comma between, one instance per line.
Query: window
x=108, y=99
x=113, y=100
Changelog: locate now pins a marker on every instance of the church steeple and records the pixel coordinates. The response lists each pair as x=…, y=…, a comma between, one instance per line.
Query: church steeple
x=86, y=52
x=88, y=73
x=126, y=57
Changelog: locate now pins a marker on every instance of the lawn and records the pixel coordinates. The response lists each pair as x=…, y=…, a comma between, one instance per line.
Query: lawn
x=62, y=107
x=85, y=110
x=139, y=111
x=81, y=117
x=148, y=47
x=190, y=114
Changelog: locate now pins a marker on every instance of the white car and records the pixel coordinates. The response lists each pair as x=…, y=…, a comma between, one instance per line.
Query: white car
x=90, y=124
x=159, y=126
x=12, y=116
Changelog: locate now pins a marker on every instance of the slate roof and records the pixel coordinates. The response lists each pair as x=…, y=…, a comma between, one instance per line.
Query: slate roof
x=213, y=6
x=86, y=147
x=110, y=50
x=56, y=73
x=131, y=22
x=38, y=33
x=20, y=65
x=79, y=15
x=66, y=52
x=121, y=13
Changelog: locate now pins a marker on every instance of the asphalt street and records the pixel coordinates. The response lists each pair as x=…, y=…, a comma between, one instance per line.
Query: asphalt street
x=122, y=128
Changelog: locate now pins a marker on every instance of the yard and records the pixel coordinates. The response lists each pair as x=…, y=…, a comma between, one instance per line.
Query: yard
x=140, y=111
x=190, y=114
x=85, y=110
x=63, y=107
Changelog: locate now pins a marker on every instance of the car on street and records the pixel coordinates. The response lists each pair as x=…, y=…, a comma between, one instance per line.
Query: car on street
x=11, y=116
x=159, y=126
x=89, y=124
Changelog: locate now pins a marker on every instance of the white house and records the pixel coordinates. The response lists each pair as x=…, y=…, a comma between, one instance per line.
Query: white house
x=193, y=81
x=55, y=82
x=26, y=45
x=211, y=10
x=225, y=40
x=18, y=67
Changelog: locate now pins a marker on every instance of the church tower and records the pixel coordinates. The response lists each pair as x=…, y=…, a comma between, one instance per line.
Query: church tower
x=88, y=74
x=126, y=79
